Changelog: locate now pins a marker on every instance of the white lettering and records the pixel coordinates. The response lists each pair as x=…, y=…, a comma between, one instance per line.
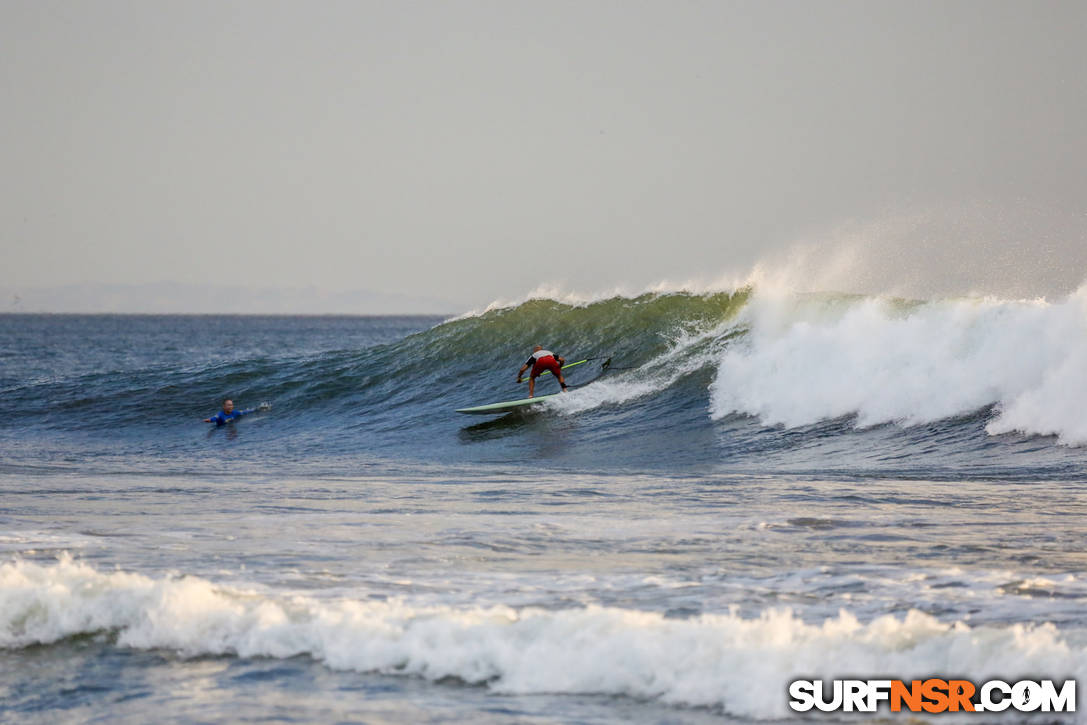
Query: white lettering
x=820, y=698
x=1064, y=701
x=878, y=690
x=854, y=695
x=803, y=694
x=993, y=696
x=1026, y=696
x=988, y=704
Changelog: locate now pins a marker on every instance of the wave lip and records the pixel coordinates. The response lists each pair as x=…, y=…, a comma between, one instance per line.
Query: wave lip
x=741, y=665
x=887, y=361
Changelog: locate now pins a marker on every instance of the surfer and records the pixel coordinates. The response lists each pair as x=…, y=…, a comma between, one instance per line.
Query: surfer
x=539, y=361
x=228, y=414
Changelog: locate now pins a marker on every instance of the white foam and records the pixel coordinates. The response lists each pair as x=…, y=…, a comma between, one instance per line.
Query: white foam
x=807, y=360
x=739, y=664
x=689, y=352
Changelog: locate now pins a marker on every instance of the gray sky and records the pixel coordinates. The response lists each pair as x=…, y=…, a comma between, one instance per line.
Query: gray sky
x=473, y=150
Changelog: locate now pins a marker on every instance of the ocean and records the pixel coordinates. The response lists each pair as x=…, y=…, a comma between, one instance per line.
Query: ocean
x=760, y=487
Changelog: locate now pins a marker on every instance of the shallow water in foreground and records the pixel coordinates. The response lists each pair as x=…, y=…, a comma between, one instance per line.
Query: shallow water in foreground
x=558, y=597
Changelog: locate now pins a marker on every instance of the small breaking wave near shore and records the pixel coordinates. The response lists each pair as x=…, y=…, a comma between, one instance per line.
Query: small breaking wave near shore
x=739, y=665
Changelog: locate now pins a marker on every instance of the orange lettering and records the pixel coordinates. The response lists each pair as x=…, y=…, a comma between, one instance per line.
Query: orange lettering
x=910, y=695
x=935, y=692
x=959, y=694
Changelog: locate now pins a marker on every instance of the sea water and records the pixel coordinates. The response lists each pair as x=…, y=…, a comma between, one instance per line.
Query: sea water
x=757, y=490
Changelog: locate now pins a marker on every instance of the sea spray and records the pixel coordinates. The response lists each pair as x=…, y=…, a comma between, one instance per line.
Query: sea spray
x=889, y=361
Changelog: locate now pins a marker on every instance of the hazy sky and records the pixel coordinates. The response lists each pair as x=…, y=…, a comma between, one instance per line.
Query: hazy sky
x=474, y=150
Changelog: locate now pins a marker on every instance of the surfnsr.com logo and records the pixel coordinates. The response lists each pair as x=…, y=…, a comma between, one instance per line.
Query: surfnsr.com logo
x=932, y=695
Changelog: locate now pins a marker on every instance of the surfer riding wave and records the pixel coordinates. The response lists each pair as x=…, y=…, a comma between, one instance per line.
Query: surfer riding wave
x=540, y=361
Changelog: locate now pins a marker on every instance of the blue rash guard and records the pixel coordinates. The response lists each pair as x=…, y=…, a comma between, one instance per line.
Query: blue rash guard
x=222, y=418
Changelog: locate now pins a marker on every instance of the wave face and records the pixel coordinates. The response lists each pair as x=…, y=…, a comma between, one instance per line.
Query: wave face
x=697, y=381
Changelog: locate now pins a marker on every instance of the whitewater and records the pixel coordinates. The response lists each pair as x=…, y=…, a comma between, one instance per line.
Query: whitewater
x=765, y=485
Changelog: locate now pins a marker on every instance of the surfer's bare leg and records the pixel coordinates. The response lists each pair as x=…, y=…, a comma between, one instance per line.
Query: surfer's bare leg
x=562, y=383
x=531, y=386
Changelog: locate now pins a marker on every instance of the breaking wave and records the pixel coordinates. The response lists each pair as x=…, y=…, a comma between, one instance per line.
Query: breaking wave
x=695, y=379
x=740, y=665
x=889, y=361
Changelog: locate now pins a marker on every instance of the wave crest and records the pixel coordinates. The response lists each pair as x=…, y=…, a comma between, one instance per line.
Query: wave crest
x=740, y=664
x=889, y=361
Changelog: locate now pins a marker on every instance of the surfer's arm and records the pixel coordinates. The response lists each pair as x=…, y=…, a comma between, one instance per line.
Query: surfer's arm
x=522, y=371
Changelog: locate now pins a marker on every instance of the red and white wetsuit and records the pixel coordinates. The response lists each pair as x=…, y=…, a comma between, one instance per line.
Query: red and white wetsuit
x=543, y=360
